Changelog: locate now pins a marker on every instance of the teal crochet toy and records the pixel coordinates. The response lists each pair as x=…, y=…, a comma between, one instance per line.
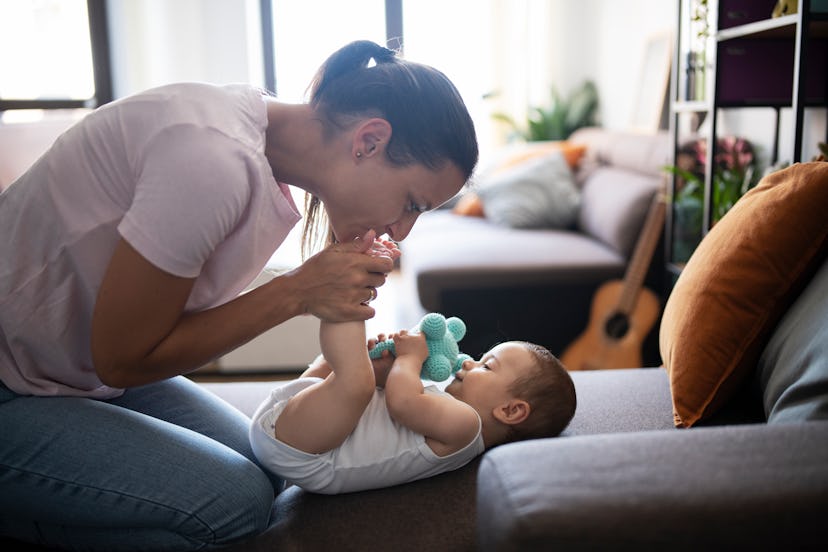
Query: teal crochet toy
x=444, y=356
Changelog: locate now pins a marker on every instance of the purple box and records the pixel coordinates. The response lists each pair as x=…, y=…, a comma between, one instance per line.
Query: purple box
x=733, y=13
x=760, y=71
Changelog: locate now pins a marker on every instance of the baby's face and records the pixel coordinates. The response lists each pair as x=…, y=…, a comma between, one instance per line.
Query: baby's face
x=486, y=383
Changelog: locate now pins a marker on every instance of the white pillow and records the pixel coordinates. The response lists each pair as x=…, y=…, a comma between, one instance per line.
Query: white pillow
x=539, y=193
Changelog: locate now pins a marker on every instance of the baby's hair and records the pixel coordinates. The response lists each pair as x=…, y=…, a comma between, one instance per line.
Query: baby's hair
x=550, y=392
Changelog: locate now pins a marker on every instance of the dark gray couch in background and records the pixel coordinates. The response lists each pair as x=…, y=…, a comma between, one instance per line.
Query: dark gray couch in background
x=538, y=284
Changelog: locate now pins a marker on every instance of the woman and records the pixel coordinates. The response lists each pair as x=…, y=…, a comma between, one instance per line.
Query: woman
x=124, y=251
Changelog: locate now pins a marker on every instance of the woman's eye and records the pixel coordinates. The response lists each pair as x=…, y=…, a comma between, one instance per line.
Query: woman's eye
x=414, y=207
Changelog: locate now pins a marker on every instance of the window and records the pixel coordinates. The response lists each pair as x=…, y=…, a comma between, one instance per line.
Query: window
x=53, y=54
x=455, y=37
x=303, y=34
x=460, y=43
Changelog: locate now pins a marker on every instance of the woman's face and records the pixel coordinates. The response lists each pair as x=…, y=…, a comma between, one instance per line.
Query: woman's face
x=389, y=199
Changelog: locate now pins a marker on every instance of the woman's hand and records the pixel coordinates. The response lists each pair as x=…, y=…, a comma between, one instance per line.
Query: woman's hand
x=337, y=283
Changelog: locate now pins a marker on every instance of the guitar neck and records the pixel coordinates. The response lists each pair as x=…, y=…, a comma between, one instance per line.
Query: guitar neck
x=643, y=254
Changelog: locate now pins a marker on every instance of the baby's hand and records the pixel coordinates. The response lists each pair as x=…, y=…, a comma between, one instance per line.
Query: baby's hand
x=383, y=364
x=413, y=344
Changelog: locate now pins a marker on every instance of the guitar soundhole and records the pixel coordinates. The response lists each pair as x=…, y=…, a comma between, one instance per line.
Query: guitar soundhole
x=617, y=325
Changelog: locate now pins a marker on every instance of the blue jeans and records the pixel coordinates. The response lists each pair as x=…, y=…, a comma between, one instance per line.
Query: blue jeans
x=166, y=466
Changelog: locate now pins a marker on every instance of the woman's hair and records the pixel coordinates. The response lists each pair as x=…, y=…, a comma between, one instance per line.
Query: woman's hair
x=550, y=392
x=430, y=123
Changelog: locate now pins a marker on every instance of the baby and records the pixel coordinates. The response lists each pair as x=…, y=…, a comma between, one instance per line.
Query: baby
x=350, y=423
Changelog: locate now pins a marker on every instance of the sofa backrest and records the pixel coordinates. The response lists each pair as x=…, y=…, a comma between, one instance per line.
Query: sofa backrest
x=619, y=175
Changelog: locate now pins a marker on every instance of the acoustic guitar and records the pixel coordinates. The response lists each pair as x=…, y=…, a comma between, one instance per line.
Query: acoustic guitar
x=623, y=312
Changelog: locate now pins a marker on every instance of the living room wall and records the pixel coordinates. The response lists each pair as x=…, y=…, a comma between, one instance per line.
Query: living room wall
x=605, y=40
x=539, y=43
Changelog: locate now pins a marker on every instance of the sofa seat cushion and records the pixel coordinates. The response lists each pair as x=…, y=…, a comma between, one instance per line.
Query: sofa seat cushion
x=483, y=254
x=616, y=401
x=748, y=487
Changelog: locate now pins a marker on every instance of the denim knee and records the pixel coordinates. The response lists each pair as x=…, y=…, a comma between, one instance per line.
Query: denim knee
x=246, y=501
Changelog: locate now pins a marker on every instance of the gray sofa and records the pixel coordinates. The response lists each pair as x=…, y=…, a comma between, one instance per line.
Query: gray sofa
x=621, y=477
x=537, y=284
x=750, y=474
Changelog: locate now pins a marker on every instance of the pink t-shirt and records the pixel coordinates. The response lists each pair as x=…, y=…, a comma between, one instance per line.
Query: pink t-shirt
x=179, y=172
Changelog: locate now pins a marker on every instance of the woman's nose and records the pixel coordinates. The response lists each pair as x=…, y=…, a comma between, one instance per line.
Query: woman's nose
x=401, y=228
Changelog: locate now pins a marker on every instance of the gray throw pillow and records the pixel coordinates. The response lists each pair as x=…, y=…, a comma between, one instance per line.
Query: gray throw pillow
x=539, y=193
x=793, y=369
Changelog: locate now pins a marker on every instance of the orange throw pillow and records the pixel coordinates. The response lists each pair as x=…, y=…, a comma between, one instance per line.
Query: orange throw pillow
x=738, y=283
x=469, y=205
x=532, y=150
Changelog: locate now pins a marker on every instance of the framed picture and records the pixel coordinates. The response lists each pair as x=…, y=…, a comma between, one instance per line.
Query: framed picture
x=650, y=110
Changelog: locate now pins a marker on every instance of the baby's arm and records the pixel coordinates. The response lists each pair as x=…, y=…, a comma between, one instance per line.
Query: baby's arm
x=447, y=423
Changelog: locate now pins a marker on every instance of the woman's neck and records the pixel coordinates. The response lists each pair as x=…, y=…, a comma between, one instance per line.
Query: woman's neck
x=294, y=145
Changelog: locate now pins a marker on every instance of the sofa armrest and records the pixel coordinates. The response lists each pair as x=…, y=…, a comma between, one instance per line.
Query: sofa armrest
x=736, y=487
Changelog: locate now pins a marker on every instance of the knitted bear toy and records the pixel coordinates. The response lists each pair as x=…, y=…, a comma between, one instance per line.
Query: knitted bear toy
x=444, y=357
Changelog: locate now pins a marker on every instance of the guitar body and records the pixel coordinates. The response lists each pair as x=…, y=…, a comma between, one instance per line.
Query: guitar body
x=613, y=339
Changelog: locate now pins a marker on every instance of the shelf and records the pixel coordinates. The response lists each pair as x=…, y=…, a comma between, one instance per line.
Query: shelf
x=784, y=26
x=770, y=63
x=780, y=27
x=690, y=107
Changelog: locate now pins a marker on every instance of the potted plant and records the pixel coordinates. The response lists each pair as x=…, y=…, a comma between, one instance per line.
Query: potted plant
x=560, y=118
x=734, y=173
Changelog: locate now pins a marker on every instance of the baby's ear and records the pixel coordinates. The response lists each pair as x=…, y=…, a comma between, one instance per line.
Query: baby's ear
x=512, y=412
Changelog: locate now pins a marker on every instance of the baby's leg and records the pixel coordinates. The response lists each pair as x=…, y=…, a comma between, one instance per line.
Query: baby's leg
x=320, y=417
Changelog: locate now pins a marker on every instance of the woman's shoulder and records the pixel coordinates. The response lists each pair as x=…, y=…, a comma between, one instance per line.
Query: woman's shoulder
x=237, y=111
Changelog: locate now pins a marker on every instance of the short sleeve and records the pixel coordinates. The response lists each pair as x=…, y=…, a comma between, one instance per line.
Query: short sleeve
x=191, y=191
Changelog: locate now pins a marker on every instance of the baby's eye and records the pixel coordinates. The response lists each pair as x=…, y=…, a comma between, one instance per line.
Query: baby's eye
x=486, y=367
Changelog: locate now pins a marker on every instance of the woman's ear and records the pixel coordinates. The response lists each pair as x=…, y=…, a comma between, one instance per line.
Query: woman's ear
x=370, y=137
x=512, y=412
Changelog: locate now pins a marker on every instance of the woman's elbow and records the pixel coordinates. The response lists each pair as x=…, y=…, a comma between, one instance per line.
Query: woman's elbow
x=111, y=370
x=111, y=374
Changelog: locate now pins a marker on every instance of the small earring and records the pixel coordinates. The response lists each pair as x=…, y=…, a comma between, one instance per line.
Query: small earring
x=359, y=154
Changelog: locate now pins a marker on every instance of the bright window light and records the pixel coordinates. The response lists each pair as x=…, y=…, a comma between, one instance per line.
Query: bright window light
x=45, y=50
x=306, y=33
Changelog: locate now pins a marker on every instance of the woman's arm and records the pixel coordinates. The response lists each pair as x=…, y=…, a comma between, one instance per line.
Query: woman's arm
x=447, y=423
x=140, y=333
